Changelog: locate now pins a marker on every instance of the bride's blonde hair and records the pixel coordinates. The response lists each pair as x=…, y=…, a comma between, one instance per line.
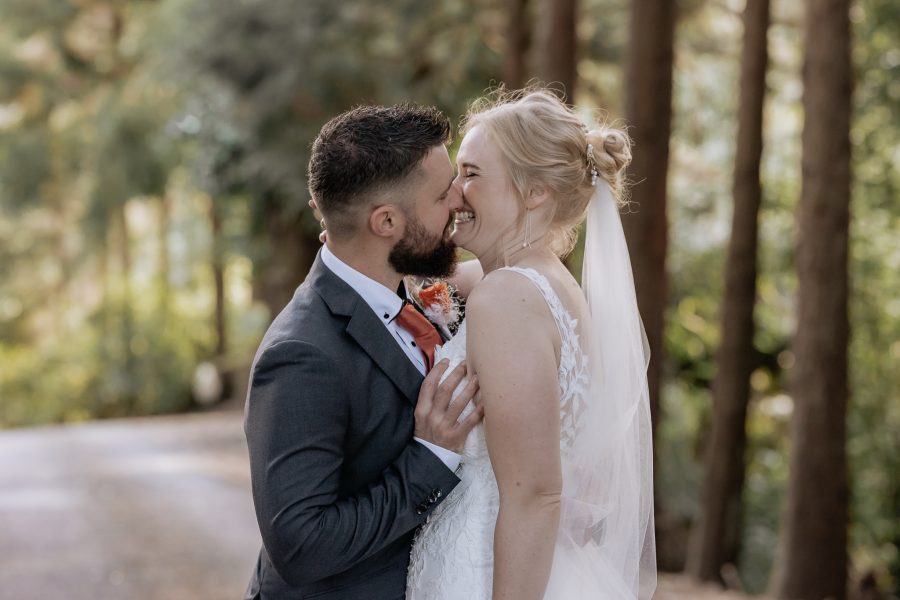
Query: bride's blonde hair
x=542, y=140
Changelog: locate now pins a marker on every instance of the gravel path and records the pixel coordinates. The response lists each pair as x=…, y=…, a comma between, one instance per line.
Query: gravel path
x=143, y=509
x=153, y=508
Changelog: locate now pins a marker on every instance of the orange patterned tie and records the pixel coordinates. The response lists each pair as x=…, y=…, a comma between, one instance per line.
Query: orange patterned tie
x=422, y=330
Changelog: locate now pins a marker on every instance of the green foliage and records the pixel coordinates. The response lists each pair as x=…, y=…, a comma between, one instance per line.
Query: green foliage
x=88, y=377
x=132, y=157
x=267, y=76
x=13, y=74
x=874, y=419
x=25, y=168
x=26, y=16
x=215, y=102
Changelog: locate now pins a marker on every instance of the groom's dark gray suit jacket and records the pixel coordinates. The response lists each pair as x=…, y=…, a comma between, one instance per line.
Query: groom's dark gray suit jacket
x=339, y=485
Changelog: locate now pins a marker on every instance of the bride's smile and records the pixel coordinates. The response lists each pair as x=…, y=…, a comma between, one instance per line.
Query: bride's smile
x=464, y=216
x=490, y=209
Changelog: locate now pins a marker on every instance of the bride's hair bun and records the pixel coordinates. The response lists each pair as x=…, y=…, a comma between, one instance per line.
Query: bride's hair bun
x=612, y=152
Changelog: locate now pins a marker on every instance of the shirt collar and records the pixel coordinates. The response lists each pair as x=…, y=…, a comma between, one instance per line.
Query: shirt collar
x=385, y=302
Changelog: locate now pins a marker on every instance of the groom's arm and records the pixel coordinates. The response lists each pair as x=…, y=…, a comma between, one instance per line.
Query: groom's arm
x=297, y=416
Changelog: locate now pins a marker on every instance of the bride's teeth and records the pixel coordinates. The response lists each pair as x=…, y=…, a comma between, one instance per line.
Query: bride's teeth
x=464, y=216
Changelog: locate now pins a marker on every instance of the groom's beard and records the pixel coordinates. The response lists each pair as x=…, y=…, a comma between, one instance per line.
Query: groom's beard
x=422, y=254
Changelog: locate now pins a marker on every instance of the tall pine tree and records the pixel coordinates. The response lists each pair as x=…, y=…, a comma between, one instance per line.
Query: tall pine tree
x=815, y=528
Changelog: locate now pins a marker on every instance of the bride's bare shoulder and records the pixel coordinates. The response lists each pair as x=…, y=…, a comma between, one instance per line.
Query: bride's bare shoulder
x=510, y=330
x=505, y=296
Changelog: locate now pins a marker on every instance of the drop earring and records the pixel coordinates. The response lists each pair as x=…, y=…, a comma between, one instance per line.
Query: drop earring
x=505, y=250
x=526, y=243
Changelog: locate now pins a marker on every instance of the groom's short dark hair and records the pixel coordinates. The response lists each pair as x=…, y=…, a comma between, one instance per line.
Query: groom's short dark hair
x=360, y=152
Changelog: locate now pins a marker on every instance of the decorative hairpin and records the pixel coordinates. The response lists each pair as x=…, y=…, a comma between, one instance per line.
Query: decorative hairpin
x=590, y=157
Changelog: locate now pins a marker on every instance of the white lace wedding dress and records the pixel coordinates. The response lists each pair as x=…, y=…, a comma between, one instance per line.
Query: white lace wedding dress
x=452, y=556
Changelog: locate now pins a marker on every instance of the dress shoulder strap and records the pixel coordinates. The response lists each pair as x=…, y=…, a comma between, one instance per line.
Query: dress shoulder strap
x=564, y=322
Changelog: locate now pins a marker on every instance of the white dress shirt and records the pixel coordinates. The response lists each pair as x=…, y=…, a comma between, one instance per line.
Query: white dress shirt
x=387, y=304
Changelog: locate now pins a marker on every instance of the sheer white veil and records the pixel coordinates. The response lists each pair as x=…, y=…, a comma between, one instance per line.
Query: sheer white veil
x=607, y=512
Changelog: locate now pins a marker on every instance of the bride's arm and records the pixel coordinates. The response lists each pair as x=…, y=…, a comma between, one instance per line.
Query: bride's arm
x=512, y=347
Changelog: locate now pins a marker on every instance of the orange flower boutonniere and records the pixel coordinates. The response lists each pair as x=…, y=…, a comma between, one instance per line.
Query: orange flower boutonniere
x=438, y=304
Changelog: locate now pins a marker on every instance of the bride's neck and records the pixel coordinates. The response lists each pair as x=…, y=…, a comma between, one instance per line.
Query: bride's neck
x=514, y=254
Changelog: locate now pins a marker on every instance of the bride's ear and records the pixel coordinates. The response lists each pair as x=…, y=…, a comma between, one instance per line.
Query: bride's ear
x=538, y=195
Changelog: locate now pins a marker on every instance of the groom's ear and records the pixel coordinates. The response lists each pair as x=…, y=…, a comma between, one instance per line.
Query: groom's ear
x=386, y=221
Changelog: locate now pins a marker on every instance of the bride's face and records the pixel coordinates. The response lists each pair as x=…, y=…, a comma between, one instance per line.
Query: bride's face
x=490, y=205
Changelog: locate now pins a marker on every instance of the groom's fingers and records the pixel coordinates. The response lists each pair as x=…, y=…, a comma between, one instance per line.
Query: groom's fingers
x=459, y=403
x=445, y=391
x=429, y=389
x=471, y=420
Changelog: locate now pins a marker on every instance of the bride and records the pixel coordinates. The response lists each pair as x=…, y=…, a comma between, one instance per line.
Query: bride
x=556, y=494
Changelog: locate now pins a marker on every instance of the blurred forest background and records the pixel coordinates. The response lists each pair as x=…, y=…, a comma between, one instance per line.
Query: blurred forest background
x=154, y=218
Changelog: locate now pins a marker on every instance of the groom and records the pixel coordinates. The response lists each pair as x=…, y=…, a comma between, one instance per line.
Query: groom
x=350, y=450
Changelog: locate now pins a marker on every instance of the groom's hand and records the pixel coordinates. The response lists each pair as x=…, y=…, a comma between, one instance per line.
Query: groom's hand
x=437, y=417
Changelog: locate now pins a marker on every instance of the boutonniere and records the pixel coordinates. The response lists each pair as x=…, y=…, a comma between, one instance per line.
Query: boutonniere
x=438, y=304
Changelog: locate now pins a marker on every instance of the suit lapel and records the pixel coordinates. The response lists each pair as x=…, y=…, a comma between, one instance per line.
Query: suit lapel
x=366, y=329
x=371, y=334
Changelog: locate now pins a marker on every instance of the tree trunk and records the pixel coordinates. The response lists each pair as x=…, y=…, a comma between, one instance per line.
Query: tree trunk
x=718, y=532
x=815, y=526
x=218, y=269
x=555, y=56
x=518, y=36
x=130, y=399
x=165, y=207
x=221, y=311
x=555, y=52
x=649, y=113
x=291, y=251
